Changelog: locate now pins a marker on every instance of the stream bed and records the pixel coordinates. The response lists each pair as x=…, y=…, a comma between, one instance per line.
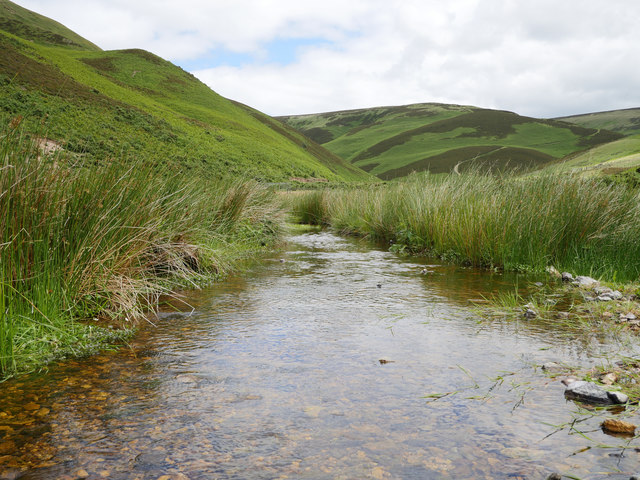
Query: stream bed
x=330, y=360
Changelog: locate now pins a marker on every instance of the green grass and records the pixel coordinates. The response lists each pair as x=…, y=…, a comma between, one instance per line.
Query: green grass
x=626, y=121
x=392, y=142
x=610, y=158
x=572, y=223
x=84, y=243
x=38, y=28
x=105, y=104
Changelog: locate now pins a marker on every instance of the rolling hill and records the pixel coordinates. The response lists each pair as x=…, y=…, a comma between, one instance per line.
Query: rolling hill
x=618, y=160
x=626, y=121
x=391, y=142
x=131, y=103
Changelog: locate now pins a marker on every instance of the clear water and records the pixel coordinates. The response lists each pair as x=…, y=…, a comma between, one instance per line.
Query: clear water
x=276, y=374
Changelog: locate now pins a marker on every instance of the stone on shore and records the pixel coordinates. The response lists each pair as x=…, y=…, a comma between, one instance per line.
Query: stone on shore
x=589, y=392
x=586, y=282
x=567, y=277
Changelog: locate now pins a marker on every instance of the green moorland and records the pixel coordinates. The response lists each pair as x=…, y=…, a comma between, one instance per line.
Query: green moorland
x=610, y=159
x=33, y=26
x=626, y=121
x=101, y=105
x=392, y=142
x=570, y=222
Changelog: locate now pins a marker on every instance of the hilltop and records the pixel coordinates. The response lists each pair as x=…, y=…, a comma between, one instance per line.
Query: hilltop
x=391, y=142
x=131, y=103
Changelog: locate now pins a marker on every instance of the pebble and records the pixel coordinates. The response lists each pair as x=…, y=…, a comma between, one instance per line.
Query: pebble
x=552, y=367
x=568, y=380
x=627, y=317
x=609, y=378
x=604, y=298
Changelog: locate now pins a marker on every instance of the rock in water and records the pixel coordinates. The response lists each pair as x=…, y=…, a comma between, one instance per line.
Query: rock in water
x=587, y=392
x=612, y=425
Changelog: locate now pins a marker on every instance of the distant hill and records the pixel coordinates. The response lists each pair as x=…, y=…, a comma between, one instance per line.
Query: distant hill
x=625, y=121
x=131, y=103
x=391, y=142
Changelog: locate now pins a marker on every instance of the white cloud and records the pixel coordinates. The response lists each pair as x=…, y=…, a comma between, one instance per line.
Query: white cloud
x=542, y=58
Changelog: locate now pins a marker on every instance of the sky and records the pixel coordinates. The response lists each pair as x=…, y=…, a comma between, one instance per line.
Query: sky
x=541, y=58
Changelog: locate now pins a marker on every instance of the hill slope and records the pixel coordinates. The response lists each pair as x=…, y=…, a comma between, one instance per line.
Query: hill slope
x=102, y=105
x=38, y=28
x=394, y=141
x=625, y=121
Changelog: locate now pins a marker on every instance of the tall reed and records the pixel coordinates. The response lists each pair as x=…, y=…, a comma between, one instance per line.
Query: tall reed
x=510, y=222
x=105, y=241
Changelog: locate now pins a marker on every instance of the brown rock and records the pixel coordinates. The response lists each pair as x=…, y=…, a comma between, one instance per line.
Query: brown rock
x=612, y=425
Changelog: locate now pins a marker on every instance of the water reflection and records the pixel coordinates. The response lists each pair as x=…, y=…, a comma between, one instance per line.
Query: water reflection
x=276, y=374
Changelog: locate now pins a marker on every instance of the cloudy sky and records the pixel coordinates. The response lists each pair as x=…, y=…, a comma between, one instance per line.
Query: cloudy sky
x=541, y=58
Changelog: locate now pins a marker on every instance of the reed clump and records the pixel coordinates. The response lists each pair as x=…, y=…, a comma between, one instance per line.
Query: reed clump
x=84, y=242
x=497, y=221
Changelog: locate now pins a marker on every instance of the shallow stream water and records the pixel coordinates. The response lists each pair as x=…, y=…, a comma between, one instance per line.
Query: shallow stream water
x=276, y=373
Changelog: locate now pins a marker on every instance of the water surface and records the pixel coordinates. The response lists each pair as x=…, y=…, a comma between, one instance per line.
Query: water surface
x=276, y=374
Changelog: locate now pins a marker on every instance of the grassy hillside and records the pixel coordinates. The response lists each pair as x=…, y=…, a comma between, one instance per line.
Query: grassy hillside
x=130, y=103
x=391, y=142
x=38, y=28
x=625, y=121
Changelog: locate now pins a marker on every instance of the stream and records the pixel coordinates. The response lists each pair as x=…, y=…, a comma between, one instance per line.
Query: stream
x=330, y=360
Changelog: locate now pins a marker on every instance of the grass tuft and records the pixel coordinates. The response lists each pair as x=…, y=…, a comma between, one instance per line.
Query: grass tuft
x=577, y=224
x=102, y=242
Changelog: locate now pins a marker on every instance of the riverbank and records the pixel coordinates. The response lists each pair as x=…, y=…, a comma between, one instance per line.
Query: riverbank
x=500, y=222
x=86, y=250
